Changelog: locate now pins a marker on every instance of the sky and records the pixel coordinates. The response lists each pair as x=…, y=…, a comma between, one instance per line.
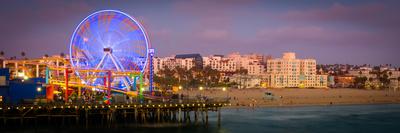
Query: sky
x=346, y=32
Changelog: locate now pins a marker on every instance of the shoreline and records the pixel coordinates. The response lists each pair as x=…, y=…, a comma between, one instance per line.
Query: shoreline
x=304, y=105
x=289, y=97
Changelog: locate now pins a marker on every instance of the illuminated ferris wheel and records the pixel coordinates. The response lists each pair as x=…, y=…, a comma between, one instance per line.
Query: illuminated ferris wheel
x=109, y=40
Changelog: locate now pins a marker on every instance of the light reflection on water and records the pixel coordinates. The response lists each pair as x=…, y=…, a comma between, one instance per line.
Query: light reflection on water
x=327, y=119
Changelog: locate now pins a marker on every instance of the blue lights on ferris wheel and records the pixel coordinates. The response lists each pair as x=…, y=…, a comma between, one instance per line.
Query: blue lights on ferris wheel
x=109, y=40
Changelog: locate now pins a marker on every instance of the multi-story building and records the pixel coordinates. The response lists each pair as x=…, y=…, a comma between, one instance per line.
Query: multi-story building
x=186, y=61
x=253, y=63
x=254, y=67
x=220, y=63
x=190, y=60
x=291, y=72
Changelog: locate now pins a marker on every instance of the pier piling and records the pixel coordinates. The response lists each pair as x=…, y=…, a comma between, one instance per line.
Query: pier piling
x=107, y=115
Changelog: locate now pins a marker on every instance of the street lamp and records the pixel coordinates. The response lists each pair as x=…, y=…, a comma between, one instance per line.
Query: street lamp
x=227, y=93
x=180, y=87
x=201, y=88
x=39, y=89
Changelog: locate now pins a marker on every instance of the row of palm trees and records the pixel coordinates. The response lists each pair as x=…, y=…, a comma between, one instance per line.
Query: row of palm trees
x=187, y=78
x=383, y=77
x=23, y=55
x=192, y=78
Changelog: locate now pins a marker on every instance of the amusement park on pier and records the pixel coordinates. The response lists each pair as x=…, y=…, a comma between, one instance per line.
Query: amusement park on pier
x=106, y=78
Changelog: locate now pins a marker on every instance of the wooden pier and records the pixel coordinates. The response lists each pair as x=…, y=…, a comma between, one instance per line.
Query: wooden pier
x=183, y=113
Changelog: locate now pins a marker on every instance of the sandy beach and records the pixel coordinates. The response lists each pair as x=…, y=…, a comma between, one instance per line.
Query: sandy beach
x=300, y=97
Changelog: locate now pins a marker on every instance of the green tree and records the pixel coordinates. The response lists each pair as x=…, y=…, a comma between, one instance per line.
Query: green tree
x=360, y=82
x=210, y=77
x=241, y=72
x=166, y=78
x=385, y=81
x=382, y=77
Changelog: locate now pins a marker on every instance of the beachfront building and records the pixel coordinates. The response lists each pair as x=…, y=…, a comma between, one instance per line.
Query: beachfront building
x=189, y=61
x=362, y=72
x=160, y=63
x=289, y=71
x=255, y=68
x=253, y=63
x=220, y=63
x=173, y=62
x=344, y=81
x=249, y=81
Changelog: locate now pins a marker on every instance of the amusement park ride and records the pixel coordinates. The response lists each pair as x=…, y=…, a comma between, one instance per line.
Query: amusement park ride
x=109, y=55
x=109, y=52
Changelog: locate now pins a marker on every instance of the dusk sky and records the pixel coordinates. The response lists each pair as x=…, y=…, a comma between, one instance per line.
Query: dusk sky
x=353, y=32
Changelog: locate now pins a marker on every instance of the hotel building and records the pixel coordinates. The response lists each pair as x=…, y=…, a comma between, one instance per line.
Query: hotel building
x=291, y=72
x=220, y=63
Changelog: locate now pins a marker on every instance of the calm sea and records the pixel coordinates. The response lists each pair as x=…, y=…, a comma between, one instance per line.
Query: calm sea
x=317, y=119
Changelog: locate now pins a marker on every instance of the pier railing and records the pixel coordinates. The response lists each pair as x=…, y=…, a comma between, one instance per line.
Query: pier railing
x=178, y=111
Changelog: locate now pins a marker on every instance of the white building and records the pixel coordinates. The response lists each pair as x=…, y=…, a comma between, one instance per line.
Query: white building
x=172, y=62
x=249, y=81
x=220, y=63
x=253, y=63
x=291, y=72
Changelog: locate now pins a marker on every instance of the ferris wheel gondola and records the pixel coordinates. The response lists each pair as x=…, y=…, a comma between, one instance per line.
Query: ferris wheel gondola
x=109, y=40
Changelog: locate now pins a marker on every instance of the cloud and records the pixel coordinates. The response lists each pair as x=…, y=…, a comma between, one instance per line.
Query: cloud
x=214, y=34
x=162, y=33
x=316, y=35
x=201, y=8
x=374, y=15
x=42, y=25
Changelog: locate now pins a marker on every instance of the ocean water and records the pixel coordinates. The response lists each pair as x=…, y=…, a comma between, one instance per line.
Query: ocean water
x=383, y=118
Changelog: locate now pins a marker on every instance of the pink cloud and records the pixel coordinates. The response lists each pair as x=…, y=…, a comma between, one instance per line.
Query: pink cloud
x=214, y=34
x=317, y=35
x=371, y=15
x=163, y=33
x=338, y=12
x=207, y=8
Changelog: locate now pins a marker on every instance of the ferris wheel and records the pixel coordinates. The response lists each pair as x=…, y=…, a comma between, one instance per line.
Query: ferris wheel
x=109, y=40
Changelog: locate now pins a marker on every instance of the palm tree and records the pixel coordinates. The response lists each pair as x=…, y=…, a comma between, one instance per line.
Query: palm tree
x=62, y=54
x=370, y=79
x=166, y=78
x=241, y=72
x=46, y=55
x=1, y=53
x=398, y=83
x=23, y=54
x=360, y=82
x=180, y=72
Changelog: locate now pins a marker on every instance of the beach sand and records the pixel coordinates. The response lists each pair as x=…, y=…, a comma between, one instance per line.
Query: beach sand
x=300, y=97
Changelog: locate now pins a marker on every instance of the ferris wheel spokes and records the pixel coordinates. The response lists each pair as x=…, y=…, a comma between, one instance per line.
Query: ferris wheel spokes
x=115, y=62
x=114, y=47
x=101, y=62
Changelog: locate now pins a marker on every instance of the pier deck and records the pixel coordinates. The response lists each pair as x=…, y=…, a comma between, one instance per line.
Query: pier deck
x=84, y=115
